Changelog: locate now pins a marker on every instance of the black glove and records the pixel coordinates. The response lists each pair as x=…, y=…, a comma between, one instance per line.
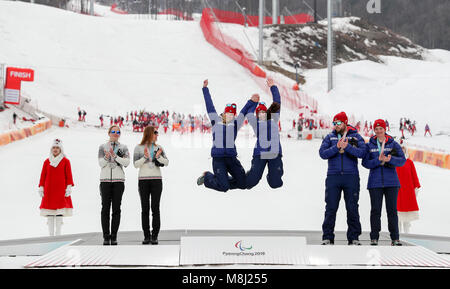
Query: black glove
x=158, y=164
x=353, y=142
x=120, y=153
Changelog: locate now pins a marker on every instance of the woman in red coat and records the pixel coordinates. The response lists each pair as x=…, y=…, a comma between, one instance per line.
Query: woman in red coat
x=55, y=187
x=407, y=207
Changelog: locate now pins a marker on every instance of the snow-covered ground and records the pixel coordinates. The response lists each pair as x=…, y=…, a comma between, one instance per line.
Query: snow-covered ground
x=110, y=65
x=6, y=119
x=298, y=205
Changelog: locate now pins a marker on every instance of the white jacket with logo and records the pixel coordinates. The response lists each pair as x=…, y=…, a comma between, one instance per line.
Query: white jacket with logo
x=112, y=169
x=147, y=168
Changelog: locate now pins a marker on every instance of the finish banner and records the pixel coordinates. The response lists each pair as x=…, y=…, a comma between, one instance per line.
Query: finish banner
x=14, y=77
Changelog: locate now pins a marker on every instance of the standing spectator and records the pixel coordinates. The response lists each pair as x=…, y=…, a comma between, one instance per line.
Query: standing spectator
x=79, y=114
x=55, y=187
x=427, y=130
x=14, y=117
x=84, y=115
x=407, y=207
x=342, y=148
x=382, y=156
x=112, y=157
x=148, y=158
x=101, y=120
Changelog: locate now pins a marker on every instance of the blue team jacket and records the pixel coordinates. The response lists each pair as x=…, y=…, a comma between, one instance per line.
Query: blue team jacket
x=267, y=133
x=346, y=163
x=386, y=175
x=224, y=135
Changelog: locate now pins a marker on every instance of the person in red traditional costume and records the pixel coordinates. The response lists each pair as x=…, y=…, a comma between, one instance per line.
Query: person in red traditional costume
x=55, y=188
x=407, y=207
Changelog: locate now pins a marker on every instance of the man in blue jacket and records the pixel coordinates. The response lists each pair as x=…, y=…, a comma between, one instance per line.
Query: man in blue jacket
x=342, y=148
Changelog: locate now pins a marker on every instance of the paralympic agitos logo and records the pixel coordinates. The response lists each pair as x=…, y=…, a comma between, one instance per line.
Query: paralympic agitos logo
x=243, y=250
x=241, y=247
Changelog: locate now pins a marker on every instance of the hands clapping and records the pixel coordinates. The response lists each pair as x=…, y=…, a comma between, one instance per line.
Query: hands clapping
x=384, y=159
x=342, y=144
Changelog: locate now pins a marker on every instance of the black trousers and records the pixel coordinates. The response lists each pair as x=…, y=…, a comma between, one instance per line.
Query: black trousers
x=111, y=194
x=376, y=200
x=150, y=193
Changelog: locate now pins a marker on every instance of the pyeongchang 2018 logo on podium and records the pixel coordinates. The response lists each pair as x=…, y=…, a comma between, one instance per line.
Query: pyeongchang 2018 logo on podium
x=244, y=250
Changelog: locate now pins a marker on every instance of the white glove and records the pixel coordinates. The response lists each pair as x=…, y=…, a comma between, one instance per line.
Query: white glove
x=68, y=191
x=41, y=192
x=417, y=190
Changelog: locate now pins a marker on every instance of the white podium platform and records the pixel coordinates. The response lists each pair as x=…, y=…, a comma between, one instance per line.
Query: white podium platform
x=132, y=255
x=225, y=250
x=242, y=250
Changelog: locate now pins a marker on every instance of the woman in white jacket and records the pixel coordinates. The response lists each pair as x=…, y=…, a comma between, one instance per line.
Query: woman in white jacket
x=149, y=158
x=112, y=157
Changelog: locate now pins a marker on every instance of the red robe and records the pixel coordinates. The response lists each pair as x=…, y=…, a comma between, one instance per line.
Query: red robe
x=55, y=181
x=406, y=201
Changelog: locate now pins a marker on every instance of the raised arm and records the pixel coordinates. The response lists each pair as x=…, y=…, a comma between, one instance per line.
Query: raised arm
x=250, y=106
x=275, y=107
x=212, y=113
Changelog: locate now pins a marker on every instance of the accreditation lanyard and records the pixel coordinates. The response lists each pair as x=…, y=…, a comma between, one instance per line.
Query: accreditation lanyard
x=151, y=152
x=381, y=146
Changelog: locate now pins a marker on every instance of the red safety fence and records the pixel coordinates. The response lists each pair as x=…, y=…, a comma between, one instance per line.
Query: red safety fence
x=176, y=13
x=117, y=10
x=294, y=99
x=227, y=45
x=238, y=18
x=291, y=98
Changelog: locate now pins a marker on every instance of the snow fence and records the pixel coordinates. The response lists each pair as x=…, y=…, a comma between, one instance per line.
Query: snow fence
x=9, y=137
x=294, y=99
x=432, y=158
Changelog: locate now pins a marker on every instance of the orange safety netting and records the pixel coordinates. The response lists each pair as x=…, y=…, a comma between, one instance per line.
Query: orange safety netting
x=8, y=137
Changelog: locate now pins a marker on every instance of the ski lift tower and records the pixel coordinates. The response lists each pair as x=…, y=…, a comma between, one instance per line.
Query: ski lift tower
x=330, y=46
x=261, y=25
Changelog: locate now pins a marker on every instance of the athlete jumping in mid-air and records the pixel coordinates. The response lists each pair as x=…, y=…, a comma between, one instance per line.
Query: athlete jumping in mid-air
x=223, y=152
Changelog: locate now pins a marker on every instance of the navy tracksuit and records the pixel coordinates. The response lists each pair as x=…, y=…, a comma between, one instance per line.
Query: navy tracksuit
x=267, y=151
x=224, y=152
x=342, y=175
x=383, y=181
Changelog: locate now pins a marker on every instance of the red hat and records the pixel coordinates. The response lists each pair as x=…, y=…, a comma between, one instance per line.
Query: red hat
x=341, y=117
x=379, y=122
x=231, y=108
x=261, y=106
